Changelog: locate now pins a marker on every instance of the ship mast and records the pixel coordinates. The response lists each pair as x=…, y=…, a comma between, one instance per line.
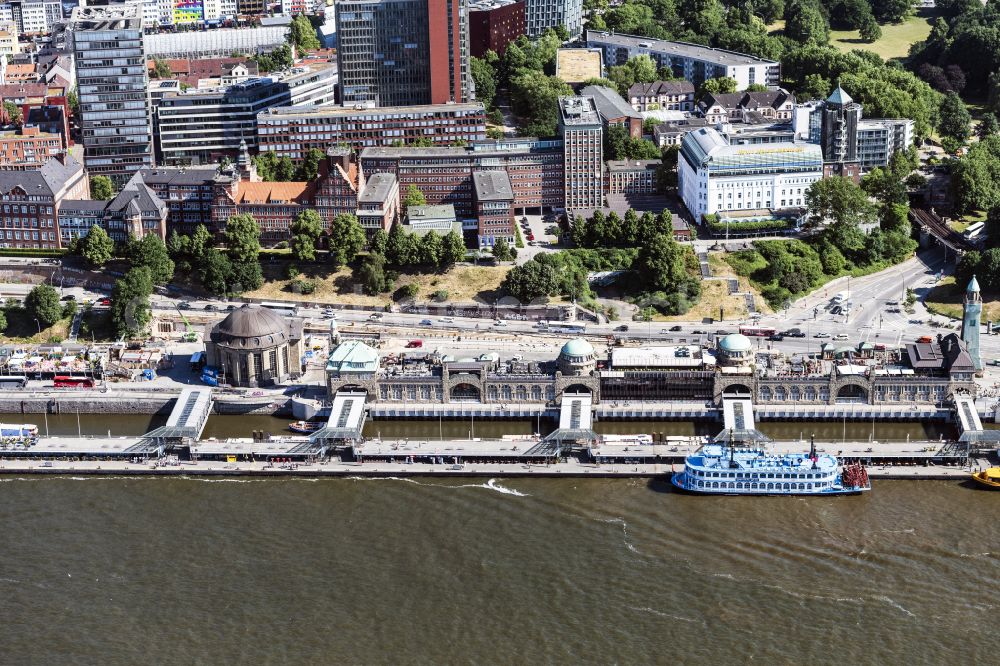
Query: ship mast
x=812, y=449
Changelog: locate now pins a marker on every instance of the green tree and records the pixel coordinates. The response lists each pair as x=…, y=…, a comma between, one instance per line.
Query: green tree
x=453, y=250
x=3, y=321
x=870, y=31
x=641, y=149
x=378, y=241
x=756, y=87
x=815, y=87
x=242, y=236
x=955, y=119
x=101, y=188
x=662, y=264
x=151, y=253
x=719, y=85
x=413, y=197
x=284, y=171
x=306, y=229
x=484, y=76
x=534, y=97
x=805, y=23
x=372, y=274
x=13, y=112
x=73, y=100
x=130, y=311
x=303, y=34
x=215, y=271
x=615, y=139
x=42, y=303
x=161, y=70
x=96, y=247
x=431, y=249
x=347, y=238
x=502, y=251
x=309, y=169
x=201, y=242
x=267, y=166
x=530, y=281
x=988, y=125
x=838, y=200
x=178, y=246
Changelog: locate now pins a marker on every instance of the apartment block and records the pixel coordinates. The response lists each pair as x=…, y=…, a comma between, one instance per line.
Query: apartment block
x=32, y=198
x=188, y=194
x=378, y=203
x=291, y=131
x=581, y=127
x=28, y=147
x=662, y=96
x=540, y=15
x=494, y=197
x=493, y=24
x=632, y=176
x=112, y=90
x=135, y=211
x=693, y=62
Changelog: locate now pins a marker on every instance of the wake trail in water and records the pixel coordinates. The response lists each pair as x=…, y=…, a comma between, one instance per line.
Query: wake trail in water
x=653, y=611
x=489, y=485
x=628, y=542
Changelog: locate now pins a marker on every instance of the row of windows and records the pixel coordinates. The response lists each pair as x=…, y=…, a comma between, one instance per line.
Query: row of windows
x=746, y=475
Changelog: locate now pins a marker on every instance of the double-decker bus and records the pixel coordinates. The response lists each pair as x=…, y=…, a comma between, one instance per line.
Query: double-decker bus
x=758, y=331
x=72, y=381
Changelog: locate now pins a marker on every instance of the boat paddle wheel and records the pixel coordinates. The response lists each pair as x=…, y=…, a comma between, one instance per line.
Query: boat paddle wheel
x=855, y=476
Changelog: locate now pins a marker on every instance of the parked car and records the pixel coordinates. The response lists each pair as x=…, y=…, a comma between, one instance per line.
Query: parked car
x=841, y=336
x=69, y=297
x=821, y=335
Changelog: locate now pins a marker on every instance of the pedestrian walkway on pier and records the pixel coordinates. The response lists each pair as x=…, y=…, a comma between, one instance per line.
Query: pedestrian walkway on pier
x=576, y=420
x=738, y=421
x=187, y=419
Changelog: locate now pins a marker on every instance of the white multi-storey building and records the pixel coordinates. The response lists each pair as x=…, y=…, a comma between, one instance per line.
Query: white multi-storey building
x=693, y=62
x=31, y=16
x=582, y=131
x=540, y=15
x=716, y=177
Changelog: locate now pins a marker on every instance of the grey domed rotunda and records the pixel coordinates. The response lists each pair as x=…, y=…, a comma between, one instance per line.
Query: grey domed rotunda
x=255, y=346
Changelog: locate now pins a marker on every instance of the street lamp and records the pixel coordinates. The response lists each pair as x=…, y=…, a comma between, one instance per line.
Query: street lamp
x=37, y=323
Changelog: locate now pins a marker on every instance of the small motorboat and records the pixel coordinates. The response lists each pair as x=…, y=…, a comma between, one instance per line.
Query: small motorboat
x=305, y=426
x=989, y=478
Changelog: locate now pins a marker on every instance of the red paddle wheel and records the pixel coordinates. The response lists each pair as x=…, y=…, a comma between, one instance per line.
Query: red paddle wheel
x=855, y=476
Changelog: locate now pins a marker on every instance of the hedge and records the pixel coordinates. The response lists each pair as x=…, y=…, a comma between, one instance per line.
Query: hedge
x=32, y=252
x=760, y=225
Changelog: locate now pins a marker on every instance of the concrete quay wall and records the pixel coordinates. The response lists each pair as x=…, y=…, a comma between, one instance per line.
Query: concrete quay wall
x=334, y=469
x=130, y=402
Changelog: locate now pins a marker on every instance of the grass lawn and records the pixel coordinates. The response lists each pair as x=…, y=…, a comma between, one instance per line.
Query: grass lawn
x=895, y=41
x=23, y=329
x=946, y=299
x=463, y=284
x=963, y=223
x=714, y=294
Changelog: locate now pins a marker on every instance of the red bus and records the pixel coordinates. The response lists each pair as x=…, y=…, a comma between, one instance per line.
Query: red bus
x=757, y=331
x=67, y=381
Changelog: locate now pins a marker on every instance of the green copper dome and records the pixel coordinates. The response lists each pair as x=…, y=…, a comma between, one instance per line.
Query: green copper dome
x=735, y=343
x=577, y=347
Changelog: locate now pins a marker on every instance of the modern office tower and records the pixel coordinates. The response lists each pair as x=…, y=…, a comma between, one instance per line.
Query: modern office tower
x=543, y=14
x=112, y=87
x=403, y=52
x=582, y=132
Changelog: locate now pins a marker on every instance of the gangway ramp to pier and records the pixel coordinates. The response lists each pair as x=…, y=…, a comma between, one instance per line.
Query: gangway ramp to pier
x=347, y=420
x=576, y=420
x=969, y=425
x=187, y=419
x=738, y=420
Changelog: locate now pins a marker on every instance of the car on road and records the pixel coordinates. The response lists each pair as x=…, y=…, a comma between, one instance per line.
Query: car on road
x=104, y=301
x=183, y=305
x=821, y=335
x=426, y=322
x=230, y=307
x=210, y=308
x=531, y=237
x=500, y=323
x=841, y=336
x=414, y=344
x=721, y=332
x=777, y=337
x=329, y=313
x=446, y=320
x=675, y=328
x=925, y=339
x=69, y=297
x=375, y=316
x=892, y=302
x=794, y=333
x=622, y=328
x=698, y=331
